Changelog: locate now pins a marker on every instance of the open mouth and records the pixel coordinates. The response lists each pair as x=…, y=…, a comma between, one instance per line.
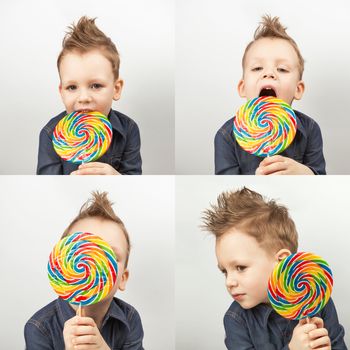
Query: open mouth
x=267, y=92
x=84, y=110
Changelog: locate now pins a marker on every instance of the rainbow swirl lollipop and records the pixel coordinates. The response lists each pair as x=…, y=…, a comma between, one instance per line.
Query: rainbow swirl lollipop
x=265, y=126
x=82, y=268
x=300, y=286
x=82, y=137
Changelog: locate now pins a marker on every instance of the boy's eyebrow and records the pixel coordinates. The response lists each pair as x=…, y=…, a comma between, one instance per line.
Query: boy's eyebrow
x=68, y=82
x=220, y=267
x=231, y=263
x=259, y=59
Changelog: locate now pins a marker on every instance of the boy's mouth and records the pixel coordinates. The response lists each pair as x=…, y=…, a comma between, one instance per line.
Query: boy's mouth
x=238, y=297
x=267, y=91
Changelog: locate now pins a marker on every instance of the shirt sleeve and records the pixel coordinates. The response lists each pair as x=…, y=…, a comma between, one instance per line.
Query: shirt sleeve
x=313, y=157
x=334, y=328
x=226, y=162
x=36, y=338
x=131, y=163
x=49, y=162
x=135, y=336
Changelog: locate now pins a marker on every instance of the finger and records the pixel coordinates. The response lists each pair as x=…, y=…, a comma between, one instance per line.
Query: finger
x=90, y=171
x=85, y=339
x=307, y=328
x=71, y=322
x=317, y=321
x=272, y=159
x=85, y=347
x=323, y=341
x=258, y=171
x=302, y=322
x=91, y=165
x=282, y=172
x=317, y=333
x=273, y=168
x=84, y=330
x=85, y=321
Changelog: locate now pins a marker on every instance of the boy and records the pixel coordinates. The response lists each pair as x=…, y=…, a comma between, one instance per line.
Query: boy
x=108, y=324
x=88, y=66
x=272, y=66
x=252, y=236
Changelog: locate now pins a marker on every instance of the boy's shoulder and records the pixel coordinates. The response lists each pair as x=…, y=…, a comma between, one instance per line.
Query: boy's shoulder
x=129, y=311
x=305, y=122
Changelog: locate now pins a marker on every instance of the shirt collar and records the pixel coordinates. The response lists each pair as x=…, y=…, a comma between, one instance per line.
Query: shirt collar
x=65, y=312
x=300, y=125
x=115, y=121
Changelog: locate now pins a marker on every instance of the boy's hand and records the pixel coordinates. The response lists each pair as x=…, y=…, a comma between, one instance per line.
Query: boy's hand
x=279, y=165
x=300, y=338
x=95, y=168
x=319, y=338
x=81, y=333
x=310, y=335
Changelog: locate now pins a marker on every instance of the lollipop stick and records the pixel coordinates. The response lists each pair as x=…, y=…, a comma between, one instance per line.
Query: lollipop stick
x=79, y=311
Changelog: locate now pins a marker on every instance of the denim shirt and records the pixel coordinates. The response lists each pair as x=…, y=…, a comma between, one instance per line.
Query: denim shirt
x=261, y=328
x=306, y=148
x=121, y=327
x=123, y=154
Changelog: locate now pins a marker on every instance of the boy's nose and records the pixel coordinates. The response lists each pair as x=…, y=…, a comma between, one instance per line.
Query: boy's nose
x=231, y=281
x=84, y=97
x=269, y=75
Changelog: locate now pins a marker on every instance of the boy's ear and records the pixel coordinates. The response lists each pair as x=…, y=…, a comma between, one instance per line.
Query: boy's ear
x=60, y=89
x=299, y=90
x=123, y=280
x=281, y=254
x=118, y=87
x=241, y=88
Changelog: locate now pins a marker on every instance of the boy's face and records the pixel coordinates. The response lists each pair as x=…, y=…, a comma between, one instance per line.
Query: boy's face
x=87, y=82
x=271, y=68
x=112, y=233
x=247, y=267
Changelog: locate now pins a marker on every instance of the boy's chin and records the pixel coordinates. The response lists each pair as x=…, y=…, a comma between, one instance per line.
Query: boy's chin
x=247, y=305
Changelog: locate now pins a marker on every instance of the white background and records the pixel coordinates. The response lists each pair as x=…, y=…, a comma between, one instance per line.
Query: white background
x=31, y=39
x=319, y=207
x=211, y=37
x=34, y=213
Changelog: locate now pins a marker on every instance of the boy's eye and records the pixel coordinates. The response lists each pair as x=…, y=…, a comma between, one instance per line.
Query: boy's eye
x=240, y=268
x=283, y=70
x=256, y=69
x=224, y=272
x=96, y=86
x=71, y=87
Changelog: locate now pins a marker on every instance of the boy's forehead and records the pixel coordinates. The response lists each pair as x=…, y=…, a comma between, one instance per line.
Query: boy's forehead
x=238, y=244
x=75, y=63
x=108, y=230
x=272, y=48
